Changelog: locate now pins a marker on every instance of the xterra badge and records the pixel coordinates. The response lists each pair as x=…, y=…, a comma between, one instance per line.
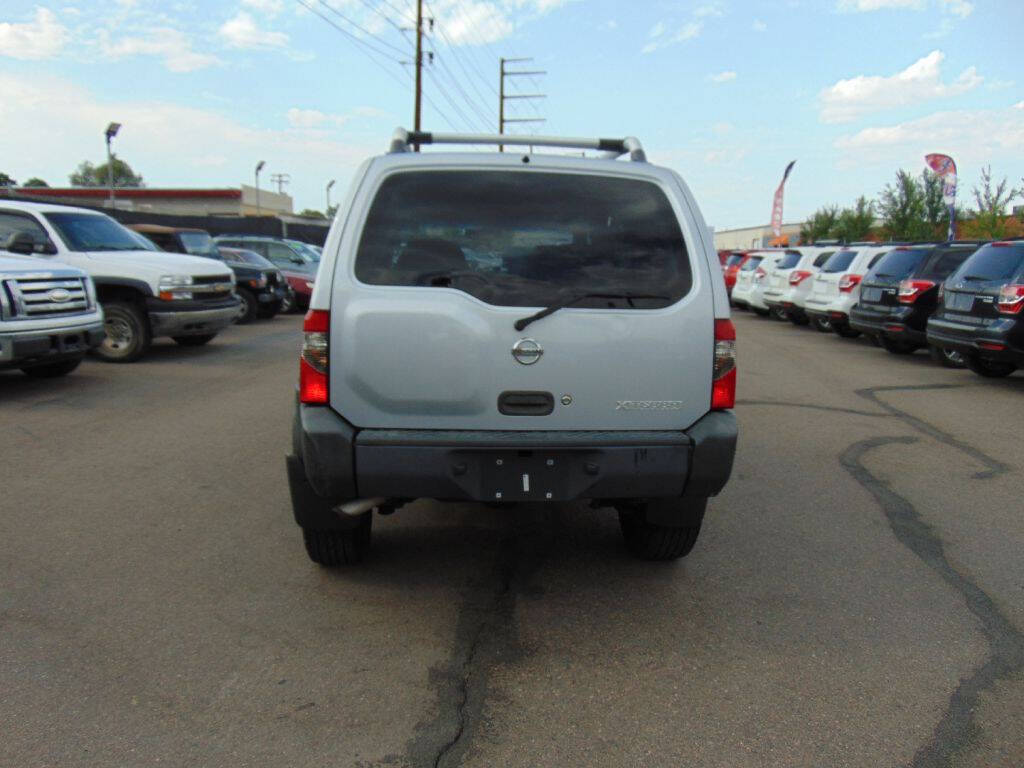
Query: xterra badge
x=649, y=405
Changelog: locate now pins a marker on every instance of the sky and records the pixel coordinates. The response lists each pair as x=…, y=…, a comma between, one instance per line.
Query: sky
x=725, y=92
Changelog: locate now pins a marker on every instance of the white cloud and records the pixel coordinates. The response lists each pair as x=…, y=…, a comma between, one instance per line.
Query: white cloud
x=722, y=77
x=270, y=7
x=725, y=156
x=610, y=24
x=41, y=38
x=242, y=31
x=169, y=44
x=1019, y=105
x=473, y=22
x=877, y=5
x=704, y=11
x=314, y=118
x=306, y=118
x=849, y=99
x=660, y=38
x=759, y=26
x=960, y=8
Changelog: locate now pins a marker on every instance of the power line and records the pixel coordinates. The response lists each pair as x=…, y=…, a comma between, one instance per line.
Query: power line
x=458, y=58
x=454, y=105
x=469, y=101
x=365, y=31
x=376, y=9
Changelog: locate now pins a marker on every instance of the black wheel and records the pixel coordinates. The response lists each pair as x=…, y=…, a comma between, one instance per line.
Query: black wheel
x=332, y=548
x=990, y=369
x=822, y=324
x=845, y=331
x=897, y=347
x=247, y=306
x=798, y=318
x=267, y=311
x=650, y=541
x=194, y=341
x=948, y=358
x=288, y=302
x=778, y=313
x=760, y=312
x=127, y=331
x=52, y=370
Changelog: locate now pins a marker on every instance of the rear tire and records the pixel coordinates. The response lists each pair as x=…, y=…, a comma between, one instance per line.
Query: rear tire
x=52, y=370
x=194, y=341
x=896, y=347
x=845, y=331
x=778, y=313
x=334, y=548
x=127, y=333
x=822, y=324
x=760, y=312
x=947, y=358
x=247, y=306
x=650, y=541
x=796, y=319
x=990, y=369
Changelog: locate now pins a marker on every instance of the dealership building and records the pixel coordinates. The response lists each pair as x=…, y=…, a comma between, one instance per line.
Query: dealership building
x=229, y=201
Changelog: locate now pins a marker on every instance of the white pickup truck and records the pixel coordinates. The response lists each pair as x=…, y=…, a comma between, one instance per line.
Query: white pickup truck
x=144, y=292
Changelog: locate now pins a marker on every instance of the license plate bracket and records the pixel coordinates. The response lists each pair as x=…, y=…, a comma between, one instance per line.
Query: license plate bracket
x=524, y=475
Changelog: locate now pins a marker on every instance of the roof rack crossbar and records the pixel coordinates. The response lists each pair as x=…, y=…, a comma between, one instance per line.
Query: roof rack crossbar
x=401, y=140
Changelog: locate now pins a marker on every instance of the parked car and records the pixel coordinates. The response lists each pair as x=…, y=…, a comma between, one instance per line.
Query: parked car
x=749, y=289
x=296, y=264
x=144, y=294
x=981, y=310
x=259, y=288
x=596, y=362
x=836, y=288
x=787, y=286
x=49, y=315
x=900, y=293
x=731, y=268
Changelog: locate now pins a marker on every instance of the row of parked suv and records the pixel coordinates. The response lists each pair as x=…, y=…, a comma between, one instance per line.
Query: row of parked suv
x=74, y=280
x=961, y=300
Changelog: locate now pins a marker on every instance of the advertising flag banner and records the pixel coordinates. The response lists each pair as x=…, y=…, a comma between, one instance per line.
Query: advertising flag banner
x=777, y=203
x=945, y=169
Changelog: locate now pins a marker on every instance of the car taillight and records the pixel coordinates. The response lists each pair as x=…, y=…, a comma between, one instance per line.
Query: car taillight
x=759, y=275
x=723, y=385
x=911, y=290
x=797, y=276
x=941, y=294
x=848, y=282
x=313, y=361
x=1011, y=299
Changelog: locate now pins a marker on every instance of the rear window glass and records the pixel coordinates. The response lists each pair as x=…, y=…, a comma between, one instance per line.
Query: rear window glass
x=875, y=259
x=838, y=261
x=789, y=260
x=944, y=262
x=734, y=259
x=899, y=263
x=524, y=238
x=198, y=243
x=822, y=258
x=992, y=263
x=751, y=264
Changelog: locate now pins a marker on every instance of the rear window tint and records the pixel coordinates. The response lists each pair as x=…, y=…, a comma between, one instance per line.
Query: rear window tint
x=751, y=264
x=839, y=261
x=789, y=260
x=992, y=262
x=822, y=258
x=876, y=258
x=944, y=262
x=524, y=238
x=899, y=263
x=734, y=259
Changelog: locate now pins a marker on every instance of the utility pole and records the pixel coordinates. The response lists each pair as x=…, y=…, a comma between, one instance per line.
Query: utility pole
x=419, y=67
x=280, y=179
x=502, y=98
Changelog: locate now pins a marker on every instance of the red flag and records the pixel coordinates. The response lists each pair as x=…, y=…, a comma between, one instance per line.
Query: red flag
x=777, y=203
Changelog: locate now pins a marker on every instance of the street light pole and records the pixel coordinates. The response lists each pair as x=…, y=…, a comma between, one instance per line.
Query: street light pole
x=259, y=167
x=110, y=133
x=329, y=185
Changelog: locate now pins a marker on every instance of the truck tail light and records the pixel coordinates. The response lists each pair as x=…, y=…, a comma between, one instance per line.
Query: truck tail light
x=797, y=276
x=912, y=290
x=1011, y=299
x=848, y=282
x=723, y=385
x=314, y=359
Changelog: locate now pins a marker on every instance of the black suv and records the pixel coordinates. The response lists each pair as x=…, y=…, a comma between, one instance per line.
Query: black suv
x=981, y=310
x=260, y=288
x=900, y=293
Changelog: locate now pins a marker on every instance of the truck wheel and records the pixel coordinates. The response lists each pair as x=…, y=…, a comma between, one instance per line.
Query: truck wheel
x=127, y=336
x=332, y=548
x=845, y=331
x=822, y=324
x=896, y=347
x=246, y=306
x=949, y=358
x=650, y=541
x=990, y=369
x=52, y=370
x=194, y=341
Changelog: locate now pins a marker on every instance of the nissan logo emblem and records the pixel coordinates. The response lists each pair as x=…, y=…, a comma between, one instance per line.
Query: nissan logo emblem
x=527, y=351
x=58, y=295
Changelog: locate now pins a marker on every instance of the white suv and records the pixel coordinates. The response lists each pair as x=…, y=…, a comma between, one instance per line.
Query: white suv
x=752, y=279
x=787, y=287
x=836, y=287
x=514, y=327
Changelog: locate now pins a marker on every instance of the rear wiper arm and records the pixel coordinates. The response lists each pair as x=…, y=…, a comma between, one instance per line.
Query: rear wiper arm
x=981, y=278
x=522, y=322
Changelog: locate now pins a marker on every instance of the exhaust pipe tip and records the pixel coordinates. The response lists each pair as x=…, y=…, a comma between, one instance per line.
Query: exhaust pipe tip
x=359, y=506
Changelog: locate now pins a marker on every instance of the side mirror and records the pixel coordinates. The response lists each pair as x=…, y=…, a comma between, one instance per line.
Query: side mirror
x=21, y=242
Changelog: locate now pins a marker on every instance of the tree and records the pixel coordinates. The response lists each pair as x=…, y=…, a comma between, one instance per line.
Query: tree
x=310, y=213
x=989, y=220
x=89, y=175
x=820, y=224
x=35, y=181
x=903, y=209
x=7, y=181
x=855, y=223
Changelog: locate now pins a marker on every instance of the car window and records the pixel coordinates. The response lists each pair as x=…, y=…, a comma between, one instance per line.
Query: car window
x=992, y=263
x=163, y=240
x=281, y=254
x=734, y=259
x=92, y=232
x=198, y=243
x=752, y=264
x=839, y=261
x=524, y=239
x=789, y=260
x=899, y=263
x=875, y=258
x=13, y=223
x=822, y=258
x=944, y=262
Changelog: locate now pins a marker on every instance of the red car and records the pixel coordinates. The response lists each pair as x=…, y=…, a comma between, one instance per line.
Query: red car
x=732, y=265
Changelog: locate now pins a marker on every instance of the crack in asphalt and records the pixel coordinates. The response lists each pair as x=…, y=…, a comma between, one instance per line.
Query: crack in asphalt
x=813, y=407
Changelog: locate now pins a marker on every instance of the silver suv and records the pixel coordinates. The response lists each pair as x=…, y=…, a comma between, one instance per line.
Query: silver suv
x=514, y=327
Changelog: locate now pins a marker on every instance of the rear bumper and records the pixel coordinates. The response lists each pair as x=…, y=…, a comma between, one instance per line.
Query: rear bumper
x=23, y=349
x=983, y=341
x=893, y=322
x=333, y=462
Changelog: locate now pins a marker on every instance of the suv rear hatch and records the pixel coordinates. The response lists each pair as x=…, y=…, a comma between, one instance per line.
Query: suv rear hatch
x=971, y=294
x=880, y=287
x=826, y=282
x=777, y=281
x=444, y=261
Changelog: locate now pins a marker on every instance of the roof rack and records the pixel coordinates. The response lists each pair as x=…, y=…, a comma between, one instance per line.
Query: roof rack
x=401, y=139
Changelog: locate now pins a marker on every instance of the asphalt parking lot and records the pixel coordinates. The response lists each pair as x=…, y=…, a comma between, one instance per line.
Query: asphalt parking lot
x=856, y=597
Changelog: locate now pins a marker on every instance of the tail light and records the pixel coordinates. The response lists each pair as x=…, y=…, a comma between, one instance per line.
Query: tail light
x=723, y=385
x=1011, y=299
x=941, y=294
x=313, y=362
x=848, y=282
x=759, y=275
x=797, y=276
x=912, y=290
